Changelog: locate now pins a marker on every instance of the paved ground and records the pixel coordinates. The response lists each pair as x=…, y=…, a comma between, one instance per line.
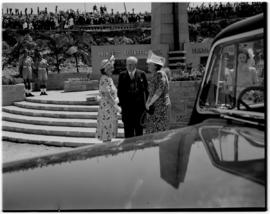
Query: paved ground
x=16, y=151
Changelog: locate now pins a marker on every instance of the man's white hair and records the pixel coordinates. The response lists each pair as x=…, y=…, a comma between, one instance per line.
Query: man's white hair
x=132, y=59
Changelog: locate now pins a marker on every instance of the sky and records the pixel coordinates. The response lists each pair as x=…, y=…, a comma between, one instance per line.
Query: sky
x=82, y=6
x=116, y=5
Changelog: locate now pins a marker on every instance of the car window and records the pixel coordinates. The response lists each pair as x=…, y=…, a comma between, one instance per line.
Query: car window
x=235, y=76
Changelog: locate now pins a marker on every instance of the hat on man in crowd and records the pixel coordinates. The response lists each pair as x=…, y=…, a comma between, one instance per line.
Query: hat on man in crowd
x=153, y=58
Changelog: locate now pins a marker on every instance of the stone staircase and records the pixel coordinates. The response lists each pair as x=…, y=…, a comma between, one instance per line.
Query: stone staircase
x=52, y=122
x=177, y=60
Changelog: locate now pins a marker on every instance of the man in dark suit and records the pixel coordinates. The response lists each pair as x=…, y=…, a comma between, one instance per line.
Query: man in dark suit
x=132, y=94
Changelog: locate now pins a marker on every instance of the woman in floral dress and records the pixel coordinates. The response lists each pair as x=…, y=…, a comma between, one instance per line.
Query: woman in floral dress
x=108, y=108
x=158, y=98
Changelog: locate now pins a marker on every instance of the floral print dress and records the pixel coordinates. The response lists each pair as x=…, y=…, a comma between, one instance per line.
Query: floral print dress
x=107, y=114
x=159, y=121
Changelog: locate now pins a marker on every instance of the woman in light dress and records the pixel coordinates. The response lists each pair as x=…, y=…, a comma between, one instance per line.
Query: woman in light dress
x=247, y=75
x=107, y=121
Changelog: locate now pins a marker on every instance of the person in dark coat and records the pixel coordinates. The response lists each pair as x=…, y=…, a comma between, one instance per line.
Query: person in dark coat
x=132, y=93
x=25, y=68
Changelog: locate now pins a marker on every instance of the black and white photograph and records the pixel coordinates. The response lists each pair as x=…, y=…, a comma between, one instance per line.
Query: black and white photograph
x=134, y=106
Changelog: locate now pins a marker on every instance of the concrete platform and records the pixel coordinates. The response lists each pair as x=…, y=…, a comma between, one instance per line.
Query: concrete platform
x=64, y=96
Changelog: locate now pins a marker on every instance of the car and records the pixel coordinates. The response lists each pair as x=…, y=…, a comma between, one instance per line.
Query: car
x=217, y=162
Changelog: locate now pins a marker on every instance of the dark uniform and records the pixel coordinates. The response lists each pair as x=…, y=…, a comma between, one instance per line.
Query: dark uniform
x=132, y=95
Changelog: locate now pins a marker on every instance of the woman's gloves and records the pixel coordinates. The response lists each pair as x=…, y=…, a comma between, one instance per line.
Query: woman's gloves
x=118, y=108
x=116, y=100
x=151, y=101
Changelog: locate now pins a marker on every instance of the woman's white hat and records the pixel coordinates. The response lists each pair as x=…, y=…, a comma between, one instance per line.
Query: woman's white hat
x=153, y=58
x=105, y=62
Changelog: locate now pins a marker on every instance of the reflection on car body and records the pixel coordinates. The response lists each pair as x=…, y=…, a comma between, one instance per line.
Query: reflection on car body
x=217, y=162
x=231, y=151
x=184, y=161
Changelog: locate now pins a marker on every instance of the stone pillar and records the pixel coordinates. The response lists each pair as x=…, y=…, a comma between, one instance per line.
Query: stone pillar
x=165, y=18
x=183, y=24
x=162, y=24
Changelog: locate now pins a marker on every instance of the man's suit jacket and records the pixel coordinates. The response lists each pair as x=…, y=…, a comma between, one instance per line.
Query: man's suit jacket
x=132, y=101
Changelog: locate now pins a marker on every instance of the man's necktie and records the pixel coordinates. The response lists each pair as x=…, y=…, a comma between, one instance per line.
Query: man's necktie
x=131, y=75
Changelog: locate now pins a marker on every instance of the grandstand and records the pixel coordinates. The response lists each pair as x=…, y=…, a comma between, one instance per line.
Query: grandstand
x=114, y=28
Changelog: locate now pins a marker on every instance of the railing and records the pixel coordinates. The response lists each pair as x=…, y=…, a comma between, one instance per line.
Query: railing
x=115, y=27
x=101, y=27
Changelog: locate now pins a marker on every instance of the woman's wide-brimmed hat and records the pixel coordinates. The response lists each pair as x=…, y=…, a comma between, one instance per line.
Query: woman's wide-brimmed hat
x=105, y=62
x=153, y=58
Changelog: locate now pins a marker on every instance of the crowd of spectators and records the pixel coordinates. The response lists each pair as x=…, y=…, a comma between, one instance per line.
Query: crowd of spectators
x=44, y=20
x=217, y=11
x=205, y=20
x=16, y=19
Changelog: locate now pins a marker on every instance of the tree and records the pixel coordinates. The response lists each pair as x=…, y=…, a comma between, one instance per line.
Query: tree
x=12, y=54
x=77, y=52
x=58, y=45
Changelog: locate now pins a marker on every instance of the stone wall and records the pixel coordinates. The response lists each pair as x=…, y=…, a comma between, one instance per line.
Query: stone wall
x=116, y=77
x=12, y=93
x=80, y=85
x=121, y=52
x=195, y=51
x=182, y=95
x=57, y=81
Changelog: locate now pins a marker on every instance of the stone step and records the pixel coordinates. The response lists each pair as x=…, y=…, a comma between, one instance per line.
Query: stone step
x=61, y=102
x=57, y=107
x=177, y=52
x=180, y=58
x=54, y=114
x=49, y=121
x=49, y=140
x=53, y=130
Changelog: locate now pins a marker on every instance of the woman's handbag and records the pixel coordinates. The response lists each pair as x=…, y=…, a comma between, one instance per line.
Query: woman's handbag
x=145, y=114
x=143, y=119
x=151, y=110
